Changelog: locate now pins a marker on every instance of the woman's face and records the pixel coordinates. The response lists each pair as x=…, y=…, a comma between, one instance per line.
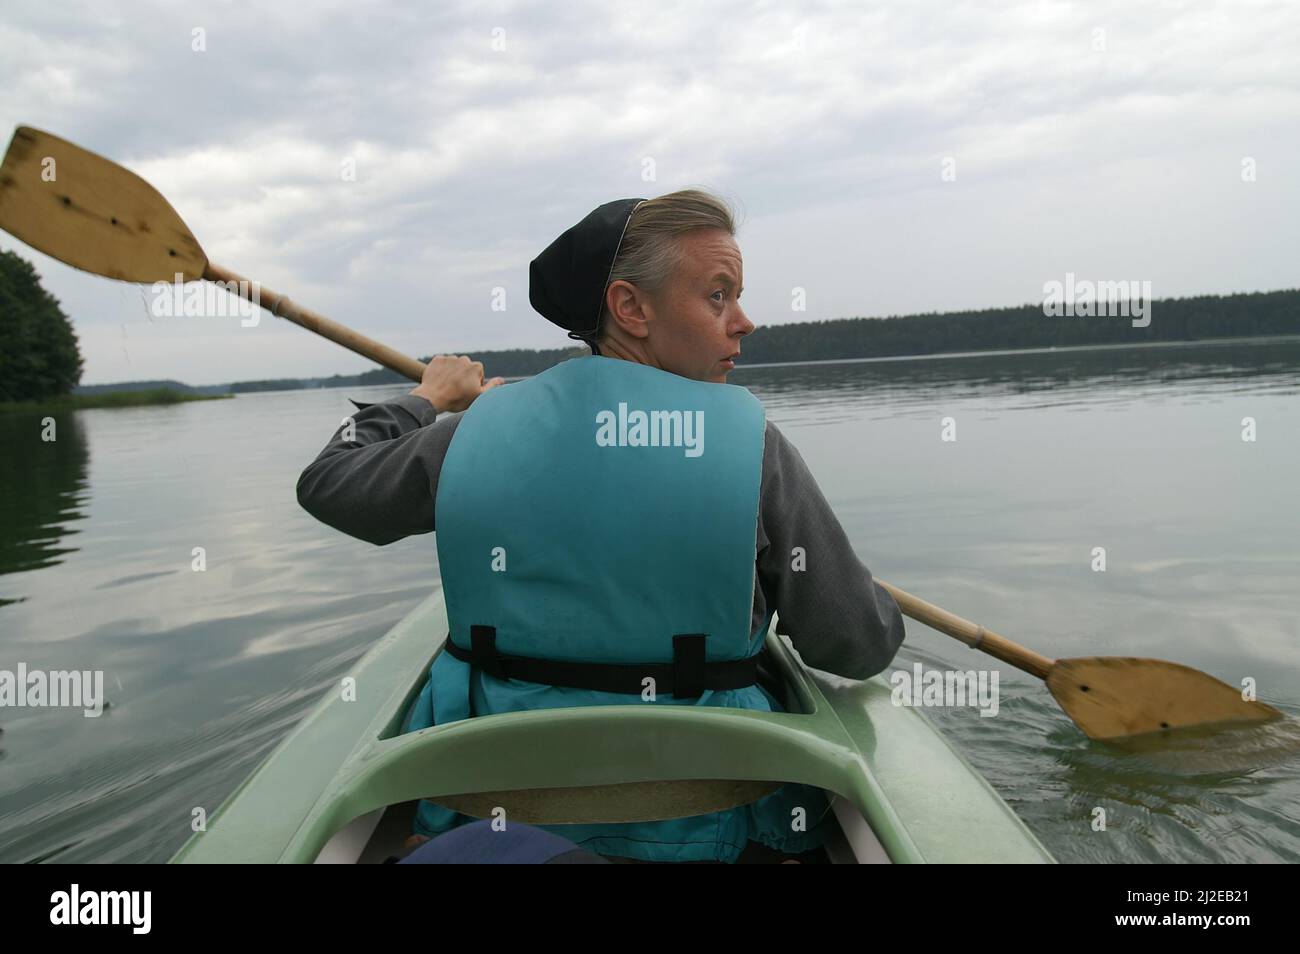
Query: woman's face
x=693, y=324
x=698, y=321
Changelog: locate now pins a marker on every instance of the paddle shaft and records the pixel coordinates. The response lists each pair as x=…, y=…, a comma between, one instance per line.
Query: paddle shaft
x=280, y=306
x=972, y=634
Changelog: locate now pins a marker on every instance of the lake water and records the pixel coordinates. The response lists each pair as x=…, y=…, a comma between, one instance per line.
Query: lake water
x=1136, y=450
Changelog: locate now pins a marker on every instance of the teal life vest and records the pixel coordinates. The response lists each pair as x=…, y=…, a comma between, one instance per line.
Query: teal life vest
x=605, y=512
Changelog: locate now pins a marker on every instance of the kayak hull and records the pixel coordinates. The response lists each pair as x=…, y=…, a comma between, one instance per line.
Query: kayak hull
x=901, y=790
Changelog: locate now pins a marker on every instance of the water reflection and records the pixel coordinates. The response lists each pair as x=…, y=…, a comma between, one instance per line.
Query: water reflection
x=43, y=491
x=1211, y=753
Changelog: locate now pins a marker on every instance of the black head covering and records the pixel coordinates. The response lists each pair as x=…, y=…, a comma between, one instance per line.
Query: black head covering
x=567, y=282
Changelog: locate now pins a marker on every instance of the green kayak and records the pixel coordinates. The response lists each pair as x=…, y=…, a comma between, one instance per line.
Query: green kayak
x=342, y=787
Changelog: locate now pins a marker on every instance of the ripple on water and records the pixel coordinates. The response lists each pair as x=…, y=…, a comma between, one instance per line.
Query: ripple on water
x=1188, y=797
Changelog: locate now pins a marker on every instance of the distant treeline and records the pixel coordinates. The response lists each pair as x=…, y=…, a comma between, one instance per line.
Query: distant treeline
x=516, y=363
x=87, y=389
x=1000, y=329
x=996, y=329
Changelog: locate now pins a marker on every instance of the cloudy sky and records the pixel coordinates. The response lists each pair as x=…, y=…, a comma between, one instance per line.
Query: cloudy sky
x=1104, y=139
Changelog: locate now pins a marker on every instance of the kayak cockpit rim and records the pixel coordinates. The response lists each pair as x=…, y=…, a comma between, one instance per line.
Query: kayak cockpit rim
x=347, y=760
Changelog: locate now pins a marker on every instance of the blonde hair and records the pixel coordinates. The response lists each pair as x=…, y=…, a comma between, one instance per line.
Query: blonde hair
x=651, y=252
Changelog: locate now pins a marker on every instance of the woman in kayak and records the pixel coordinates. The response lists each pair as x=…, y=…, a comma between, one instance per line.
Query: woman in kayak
x=619, y=529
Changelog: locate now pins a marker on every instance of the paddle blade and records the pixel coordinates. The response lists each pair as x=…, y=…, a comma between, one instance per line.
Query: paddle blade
x=91, y=213
x=1112, y=697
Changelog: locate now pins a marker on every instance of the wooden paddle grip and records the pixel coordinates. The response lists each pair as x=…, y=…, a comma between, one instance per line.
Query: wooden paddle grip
x=280, y=306
x=972, y=634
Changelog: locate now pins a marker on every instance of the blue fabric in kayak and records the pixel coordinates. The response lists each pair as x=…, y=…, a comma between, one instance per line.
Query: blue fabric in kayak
x=517, y=844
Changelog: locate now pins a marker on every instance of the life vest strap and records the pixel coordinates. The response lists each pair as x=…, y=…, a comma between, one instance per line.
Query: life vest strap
x=686, y=677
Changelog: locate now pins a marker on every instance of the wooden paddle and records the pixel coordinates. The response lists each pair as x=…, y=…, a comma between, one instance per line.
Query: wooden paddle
x=99, y=217
x=93, y=214
x=1108, y=697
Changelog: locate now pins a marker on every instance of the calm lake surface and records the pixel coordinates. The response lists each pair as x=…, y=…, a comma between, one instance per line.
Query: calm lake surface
x=1137, y=450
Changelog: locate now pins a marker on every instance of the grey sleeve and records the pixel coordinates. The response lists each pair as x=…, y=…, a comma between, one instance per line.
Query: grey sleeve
x=381, y=484
x=836, y=616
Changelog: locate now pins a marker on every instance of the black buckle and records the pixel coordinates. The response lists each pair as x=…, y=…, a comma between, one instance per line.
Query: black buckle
x=483, y=645
x=688, y=665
